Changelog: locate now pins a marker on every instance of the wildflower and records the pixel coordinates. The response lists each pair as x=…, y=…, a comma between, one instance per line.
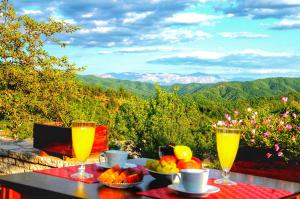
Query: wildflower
x=294, y=115
x=288, y=127
x=227, y=116
x=268, y=155
x=280, y=154
x=236, y=112
x=293, y=139
x=285, y=115
x=253, y=131
x=284, y=99
x=249, y=109
x=276, y=146
x=252, y=121
x=242, y=135
x=266, y=134
x=252, y=140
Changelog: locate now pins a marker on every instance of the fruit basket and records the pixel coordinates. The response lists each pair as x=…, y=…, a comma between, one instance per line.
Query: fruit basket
x=169, y=177
x=169, y=166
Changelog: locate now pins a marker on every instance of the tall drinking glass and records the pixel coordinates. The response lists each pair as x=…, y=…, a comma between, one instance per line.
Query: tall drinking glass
x=227, y=145
x=83, y=134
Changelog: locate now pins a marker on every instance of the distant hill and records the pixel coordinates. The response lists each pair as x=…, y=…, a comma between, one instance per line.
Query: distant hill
x=141, y=89
x=225, y=90
x=251, y=89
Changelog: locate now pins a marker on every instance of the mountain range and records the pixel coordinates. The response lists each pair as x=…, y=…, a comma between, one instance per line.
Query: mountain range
x=165, y=78
x=223, y=90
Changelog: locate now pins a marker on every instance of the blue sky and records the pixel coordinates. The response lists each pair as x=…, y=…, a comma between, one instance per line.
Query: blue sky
x=221, y=39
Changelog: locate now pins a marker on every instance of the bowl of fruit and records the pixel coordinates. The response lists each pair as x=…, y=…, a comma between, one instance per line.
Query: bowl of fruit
x=169, y=166
x=117, y=177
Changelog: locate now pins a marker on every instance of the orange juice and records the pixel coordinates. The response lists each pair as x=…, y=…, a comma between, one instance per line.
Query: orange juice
x=227, y=146
x=82, y=140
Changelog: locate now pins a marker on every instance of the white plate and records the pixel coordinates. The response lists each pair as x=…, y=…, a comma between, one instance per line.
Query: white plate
x=106, y=166
x=121, y=185
x=179, y=188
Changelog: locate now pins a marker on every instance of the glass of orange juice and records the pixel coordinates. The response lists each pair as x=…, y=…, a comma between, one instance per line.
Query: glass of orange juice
x=83, y=134
x=228, y=140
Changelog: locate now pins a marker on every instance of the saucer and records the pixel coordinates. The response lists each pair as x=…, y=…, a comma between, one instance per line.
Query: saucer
x=106, y=166
x=179, y=188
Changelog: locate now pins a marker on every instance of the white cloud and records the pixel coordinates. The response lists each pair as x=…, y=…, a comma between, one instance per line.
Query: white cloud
x=249, y=35
x=100, y=22
x=288, y=23
x=110, y=44
x=132, y=17
x=127, y=41
x=169, y=78
x=197, y=54
x=31, y=12
x=269, y=70
x=214, y=55
x=88, y=15
x=259, y=52
x=175, y=35
x=193, y=18
x=96, y=30
x=70, y=21
x=105, y=76
x=70, y=41
x=272, y=2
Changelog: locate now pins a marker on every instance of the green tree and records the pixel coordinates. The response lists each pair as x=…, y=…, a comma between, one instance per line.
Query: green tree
x=33, y=84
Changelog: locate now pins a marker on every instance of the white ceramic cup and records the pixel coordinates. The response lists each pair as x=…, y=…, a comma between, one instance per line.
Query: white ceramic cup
x=113, y=157
x=194, y=180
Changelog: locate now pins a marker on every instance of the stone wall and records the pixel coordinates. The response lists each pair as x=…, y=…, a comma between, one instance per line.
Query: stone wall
x=20, y=156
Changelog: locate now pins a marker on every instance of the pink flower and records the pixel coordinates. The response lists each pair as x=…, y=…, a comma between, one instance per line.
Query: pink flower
x=284, y=99
x=252, y=140
x=234, y=122
x=285, y=115
x=243, y=135
x=227, y=117
x=268, y=155
x=253, y=131
x=253, y=121
x=276, y=146
x=288, y=127
x=236, y=112
x=280, y=153
x=294, y=115
x=266, y=134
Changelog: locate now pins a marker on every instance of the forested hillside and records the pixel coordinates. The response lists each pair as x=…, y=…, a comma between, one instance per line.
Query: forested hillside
x=225, y=90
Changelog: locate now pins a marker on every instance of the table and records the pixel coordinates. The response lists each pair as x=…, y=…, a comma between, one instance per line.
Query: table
x=35, y=185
